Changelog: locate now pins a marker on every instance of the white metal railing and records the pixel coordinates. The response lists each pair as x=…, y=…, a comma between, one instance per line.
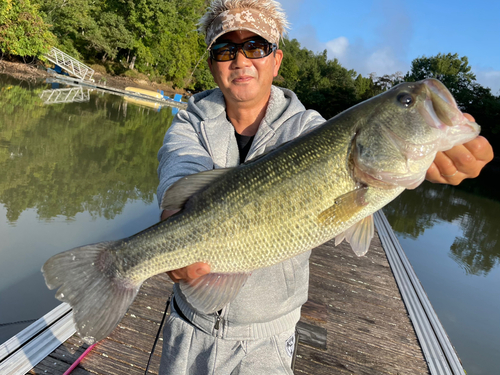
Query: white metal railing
x=69, y=95
x=22, y=352
x=70, y=64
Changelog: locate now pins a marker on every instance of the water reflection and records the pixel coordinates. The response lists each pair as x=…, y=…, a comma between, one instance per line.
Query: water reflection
x=476, y=249
x=66, y=95
x=66, y=171
x=69, y=158
x=450, y=236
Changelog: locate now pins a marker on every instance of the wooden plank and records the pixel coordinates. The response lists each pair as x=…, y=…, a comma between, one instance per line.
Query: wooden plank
x=369, y=331
x=356, y=301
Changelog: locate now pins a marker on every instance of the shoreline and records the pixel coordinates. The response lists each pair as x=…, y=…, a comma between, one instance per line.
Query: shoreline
x=24, y=71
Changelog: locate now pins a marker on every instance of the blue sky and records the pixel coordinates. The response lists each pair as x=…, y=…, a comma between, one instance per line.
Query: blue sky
x=385, y=36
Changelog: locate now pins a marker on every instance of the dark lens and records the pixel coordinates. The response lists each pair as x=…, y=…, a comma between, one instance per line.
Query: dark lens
x=223, y=51
x=256, y=49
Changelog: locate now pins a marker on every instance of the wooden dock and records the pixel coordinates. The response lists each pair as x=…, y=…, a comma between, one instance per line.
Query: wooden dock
x=354, y=300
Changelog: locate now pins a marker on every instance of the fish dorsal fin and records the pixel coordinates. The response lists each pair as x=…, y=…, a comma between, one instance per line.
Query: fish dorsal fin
x=359, y=235
x=344, y=208
x=210, y=293
x=177, y=195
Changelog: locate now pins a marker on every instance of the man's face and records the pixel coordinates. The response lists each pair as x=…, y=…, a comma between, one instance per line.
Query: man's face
x=245, y=81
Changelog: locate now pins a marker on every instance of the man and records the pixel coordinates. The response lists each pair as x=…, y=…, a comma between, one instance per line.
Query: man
x=245, y=117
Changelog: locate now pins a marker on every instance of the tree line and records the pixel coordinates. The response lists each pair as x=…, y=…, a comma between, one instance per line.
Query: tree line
x=159, y=38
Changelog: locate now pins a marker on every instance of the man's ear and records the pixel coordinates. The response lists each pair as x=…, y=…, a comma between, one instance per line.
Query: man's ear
x=278, y=58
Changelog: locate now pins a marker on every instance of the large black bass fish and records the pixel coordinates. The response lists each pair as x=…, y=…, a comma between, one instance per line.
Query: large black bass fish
x=325, y=184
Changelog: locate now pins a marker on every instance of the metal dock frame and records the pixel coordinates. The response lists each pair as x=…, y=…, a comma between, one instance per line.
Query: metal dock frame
x=436, y=346
x=70, y=64
x=68, y=95
x=23, y=351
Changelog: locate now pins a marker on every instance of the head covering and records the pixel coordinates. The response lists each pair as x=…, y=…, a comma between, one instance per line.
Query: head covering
x=242, y=19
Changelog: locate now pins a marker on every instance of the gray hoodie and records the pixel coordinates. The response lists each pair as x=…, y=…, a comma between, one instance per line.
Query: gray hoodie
x=201, y=138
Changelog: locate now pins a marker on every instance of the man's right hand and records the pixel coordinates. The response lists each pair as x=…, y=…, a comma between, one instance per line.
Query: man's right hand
x=191, y=272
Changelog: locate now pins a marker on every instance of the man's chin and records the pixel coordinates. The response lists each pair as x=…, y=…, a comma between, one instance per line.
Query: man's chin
x=247, y=93
x=243, y=95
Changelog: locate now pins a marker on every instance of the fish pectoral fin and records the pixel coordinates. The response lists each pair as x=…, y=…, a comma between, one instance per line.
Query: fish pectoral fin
x=344, y=208
x=211, y=292
x=177, y=195
x=359, y=235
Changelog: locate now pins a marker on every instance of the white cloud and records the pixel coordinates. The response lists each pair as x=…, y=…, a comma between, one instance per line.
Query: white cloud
x=338, y=47
x=384, y=53
x=488, y=78
x=383, y=48
x=365, y=60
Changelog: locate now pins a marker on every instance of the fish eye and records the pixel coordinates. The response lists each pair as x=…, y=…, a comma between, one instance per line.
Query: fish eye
x=405, y=99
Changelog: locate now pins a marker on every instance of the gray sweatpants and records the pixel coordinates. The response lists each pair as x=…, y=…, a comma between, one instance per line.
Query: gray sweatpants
x=188, y=350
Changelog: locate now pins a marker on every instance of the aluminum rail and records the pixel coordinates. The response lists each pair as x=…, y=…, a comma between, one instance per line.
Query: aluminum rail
x=24, y=351
x=70, y=95
x=70, y=64
x=436, y=346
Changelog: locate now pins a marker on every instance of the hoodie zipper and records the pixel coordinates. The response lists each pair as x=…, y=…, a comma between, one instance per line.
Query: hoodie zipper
x=218, y=321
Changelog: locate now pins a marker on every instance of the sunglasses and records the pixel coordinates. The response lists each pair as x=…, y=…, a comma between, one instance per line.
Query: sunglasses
x=252, y=49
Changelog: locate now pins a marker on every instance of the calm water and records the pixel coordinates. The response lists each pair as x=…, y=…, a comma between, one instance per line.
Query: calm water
x=85, y=172
x=70, y=174
x=451, y=238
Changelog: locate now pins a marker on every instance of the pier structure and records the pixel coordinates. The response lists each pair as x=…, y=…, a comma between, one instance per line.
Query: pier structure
x=70, y=64
x=365, y=315
x=80, y=75
x=137, y=95
x=65, y=95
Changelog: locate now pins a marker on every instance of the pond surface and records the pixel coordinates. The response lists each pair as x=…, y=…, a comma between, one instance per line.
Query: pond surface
x=451, y=237
x=71, y=174
x=85, y=172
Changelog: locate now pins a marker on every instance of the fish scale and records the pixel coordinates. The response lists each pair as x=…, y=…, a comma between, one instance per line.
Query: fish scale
x=322, y=185
x=252, y=204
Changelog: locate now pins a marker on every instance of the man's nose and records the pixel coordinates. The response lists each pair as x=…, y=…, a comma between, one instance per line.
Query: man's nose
x=240, y=58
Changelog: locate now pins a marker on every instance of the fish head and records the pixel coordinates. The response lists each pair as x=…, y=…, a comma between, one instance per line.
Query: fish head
x=405, y=127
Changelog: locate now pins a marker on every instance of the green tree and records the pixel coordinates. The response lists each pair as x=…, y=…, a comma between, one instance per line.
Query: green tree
x=320, y=83
x=450, y=69
x=108, y=35
x=70, y=21
x=155, y=37
x=165, y=38
x=22, y=30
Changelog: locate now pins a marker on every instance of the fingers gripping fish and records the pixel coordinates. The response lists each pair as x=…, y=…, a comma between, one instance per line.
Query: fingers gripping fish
x=323, y=185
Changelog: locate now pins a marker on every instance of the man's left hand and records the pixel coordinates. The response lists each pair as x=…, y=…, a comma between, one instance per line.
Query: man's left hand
x=460, y=162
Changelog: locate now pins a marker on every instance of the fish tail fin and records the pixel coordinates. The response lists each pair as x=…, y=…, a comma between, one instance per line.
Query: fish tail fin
x=89, y=281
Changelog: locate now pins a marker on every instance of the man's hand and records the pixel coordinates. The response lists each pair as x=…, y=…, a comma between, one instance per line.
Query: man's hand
x=191, y=272
x=460, y=162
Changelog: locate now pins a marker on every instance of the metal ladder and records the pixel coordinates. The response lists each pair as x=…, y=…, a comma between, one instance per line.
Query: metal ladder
x=70, y=95
x=70, y=64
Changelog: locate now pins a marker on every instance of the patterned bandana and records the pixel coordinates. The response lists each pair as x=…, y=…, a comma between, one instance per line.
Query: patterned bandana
x=242, y=19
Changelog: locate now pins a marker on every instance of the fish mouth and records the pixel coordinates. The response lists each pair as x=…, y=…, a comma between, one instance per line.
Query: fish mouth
x=437, y=110
x=441, y=112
